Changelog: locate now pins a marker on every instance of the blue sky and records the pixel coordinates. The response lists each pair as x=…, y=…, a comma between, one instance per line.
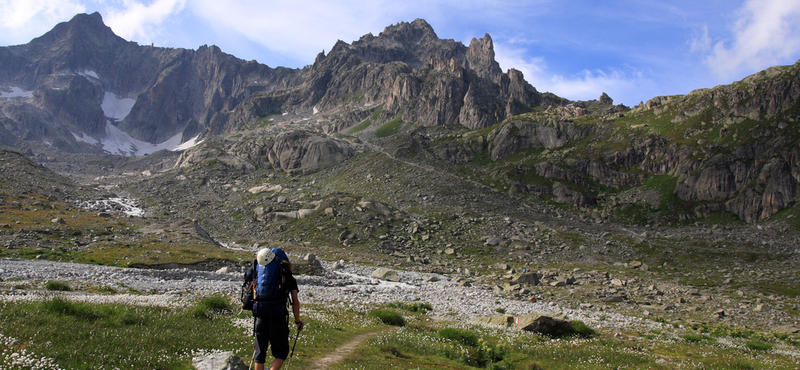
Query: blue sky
x=633, y=50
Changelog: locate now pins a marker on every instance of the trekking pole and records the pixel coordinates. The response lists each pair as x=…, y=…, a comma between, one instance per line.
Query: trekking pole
x=294, y=345
x=252, y=359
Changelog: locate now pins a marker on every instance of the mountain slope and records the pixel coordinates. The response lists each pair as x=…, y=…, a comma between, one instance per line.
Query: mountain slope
x=80, y=78
x=83, y=89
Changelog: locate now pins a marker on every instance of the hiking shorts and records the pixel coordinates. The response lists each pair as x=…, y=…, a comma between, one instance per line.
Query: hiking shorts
x=272, y=330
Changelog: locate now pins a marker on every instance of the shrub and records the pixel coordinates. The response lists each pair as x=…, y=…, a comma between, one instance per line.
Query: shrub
x=582, y=330
x=388, y=316
x=500, y=310
x=57, y=286
x=696, y=338
x=217, y=304
x=209, y=306
x=462, y=336
x=412, y=307
x=80, y=310
x=758, y=345
x=485, y=354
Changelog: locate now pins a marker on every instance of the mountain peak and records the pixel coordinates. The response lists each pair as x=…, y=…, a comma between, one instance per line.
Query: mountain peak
x=418, y=31
x=82, y=27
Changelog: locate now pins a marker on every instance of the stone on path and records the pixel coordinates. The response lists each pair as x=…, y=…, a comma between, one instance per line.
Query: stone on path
x=219, y=361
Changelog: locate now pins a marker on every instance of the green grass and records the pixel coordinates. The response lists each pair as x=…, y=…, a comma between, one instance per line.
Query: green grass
x=470, y=347
x=758, y=345
x=390, y=128
x=57, y=286
x=580, y=329
x=462, y=336
x=411, y=307
x=210, y=306
x=388, y=316
x=79, y=335
x=360, y=127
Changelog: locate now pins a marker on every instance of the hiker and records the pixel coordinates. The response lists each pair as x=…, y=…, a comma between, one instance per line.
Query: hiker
x=274, y=284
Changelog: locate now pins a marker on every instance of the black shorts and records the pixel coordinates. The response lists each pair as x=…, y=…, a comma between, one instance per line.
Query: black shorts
x=275, y=331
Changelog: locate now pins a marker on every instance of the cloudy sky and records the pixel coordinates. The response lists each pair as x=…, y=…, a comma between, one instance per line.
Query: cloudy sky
x=633, y=49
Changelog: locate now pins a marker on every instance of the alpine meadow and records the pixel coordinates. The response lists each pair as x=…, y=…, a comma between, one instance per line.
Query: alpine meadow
x=437, y=211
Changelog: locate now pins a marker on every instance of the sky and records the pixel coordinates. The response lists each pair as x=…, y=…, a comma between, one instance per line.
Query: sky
x=632, y=50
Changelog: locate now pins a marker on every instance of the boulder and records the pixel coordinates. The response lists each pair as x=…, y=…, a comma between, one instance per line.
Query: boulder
x=386, y=274
x=258, y=189
x=534, y=322
x=530, y=278
x=493, y=240
x=544, y=324
x=219, y=361
x=308, y=267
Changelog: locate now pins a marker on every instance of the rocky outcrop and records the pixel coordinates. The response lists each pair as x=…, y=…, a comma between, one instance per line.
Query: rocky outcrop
x=538, y=132
x=302, y=152
x=294, y=151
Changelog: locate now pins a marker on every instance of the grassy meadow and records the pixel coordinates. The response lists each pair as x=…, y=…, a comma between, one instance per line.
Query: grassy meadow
x=60, y=333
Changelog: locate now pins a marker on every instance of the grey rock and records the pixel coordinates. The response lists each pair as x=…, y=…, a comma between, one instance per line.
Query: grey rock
x=386, y=274
x=530, y=278
x=493, y=240
x=219, y=361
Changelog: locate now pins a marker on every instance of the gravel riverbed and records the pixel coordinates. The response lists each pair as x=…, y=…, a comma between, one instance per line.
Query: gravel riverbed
x=350, y=286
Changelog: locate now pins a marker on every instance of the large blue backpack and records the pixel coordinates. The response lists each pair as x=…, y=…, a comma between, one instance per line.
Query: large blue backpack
x=268, y=287
x=263, y=283
x=270, y=279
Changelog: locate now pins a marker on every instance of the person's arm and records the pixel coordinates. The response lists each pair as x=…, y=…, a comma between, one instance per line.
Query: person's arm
x=296, y=310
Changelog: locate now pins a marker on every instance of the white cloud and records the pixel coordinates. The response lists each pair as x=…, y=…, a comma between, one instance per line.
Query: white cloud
x=624, y=86
x=140, y=22
x=701, y=43
x=23, y=20
x=766, y=33
x=297, y=28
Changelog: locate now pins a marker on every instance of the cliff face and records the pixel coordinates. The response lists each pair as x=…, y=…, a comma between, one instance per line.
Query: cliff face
x=411, y=73
x=79, y=77
x=733, y=148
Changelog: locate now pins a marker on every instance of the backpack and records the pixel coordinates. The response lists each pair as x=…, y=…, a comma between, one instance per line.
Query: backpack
x=266, y=283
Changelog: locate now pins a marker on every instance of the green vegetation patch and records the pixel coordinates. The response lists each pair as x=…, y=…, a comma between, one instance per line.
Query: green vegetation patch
x=80, y=335
x=388, y=316
x=360, y=127
x=390, y=128
x=57, y=286
x=411, y=307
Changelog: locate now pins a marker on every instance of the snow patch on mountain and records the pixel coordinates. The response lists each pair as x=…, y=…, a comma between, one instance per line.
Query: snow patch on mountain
x=116, y=108
x=188, y=144
x=85, y=138
x=13, y=92
x=88, y=73
x=119, y=142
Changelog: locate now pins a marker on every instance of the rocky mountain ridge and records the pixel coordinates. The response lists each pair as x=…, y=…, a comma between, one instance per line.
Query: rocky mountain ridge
x=74, y=86
x=420, y=99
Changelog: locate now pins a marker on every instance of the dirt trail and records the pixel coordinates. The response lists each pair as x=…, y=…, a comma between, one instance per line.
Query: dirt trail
x=345, y=350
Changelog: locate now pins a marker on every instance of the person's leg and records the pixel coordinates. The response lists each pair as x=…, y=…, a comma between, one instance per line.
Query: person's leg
x=279, y=338
x=262, y=342
x=276, y=364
